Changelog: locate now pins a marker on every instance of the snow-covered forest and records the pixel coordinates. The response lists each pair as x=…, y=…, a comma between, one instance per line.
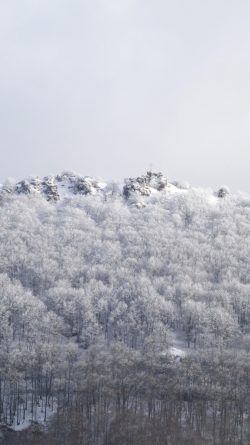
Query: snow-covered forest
x=125, y=312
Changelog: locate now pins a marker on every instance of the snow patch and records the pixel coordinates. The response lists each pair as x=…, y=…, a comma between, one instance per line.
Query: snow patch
x=177, y=352
x=37, y=417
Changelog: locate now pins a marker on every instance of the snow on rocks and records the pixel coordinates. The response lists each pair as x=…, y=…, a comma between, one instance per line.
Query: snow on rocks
x=144, y=184
x=223, y=192
x=137, y=192
x=177, y=352
x=55, y=188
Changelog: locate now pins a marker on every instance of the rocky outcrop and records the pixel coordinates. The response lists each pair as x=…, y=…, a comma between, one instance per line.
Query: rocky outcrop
x=28, y=186
x=138, y=191
x=23, y=187
x=54, y=188
x=50, y=189
x=67, y=184
x=47, y=187
x=85, y=186
x=223, y=192
x=144, y=185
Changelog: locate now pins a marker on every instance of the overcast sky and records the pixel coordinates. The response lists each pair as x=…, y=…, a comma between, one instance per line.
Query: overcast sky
x=113, y=87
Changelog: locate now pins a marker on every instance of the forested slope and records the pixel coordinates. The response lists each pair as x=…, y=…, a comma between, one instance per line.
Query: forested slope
x=96, y=285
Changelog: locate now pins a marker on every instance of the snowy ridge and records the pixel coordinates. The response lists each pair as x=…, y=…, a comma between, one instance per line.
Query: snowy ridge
x=136, y=191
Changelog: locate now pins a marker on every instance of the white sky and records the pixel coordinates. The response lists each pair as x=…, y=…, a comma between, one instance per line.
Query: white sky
x=112, y=87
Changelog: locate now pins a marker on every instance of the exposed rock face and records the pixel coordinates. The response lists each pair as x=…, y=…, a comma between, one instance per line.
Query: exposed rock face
x=144, y=185
x=23, y=187
x=86, y=185
x=78, y=185
x=223, y=192
x=49, y=188
x=28, y=186
x=66, y=176
x=54, y=188
x=137, y=191
x=68, y=183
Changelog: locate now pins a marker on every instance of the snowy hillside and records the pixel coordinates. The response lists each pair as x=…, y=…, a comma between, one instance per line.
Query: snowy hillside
x=127, y=299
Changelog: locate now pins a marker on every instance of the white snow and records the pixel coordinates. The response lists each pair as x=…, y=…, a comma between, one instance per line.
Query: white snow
x=63, y=189
x=177, y=352
x=38, y=416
